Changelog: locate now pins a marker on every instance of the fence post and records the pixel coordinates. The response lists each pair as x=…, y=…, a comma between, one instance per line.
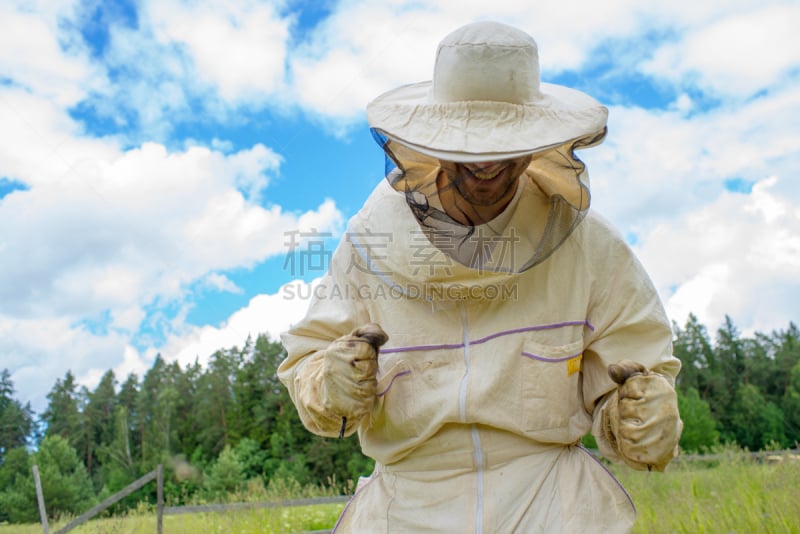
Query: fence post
x=160, y=497
x=40, y=498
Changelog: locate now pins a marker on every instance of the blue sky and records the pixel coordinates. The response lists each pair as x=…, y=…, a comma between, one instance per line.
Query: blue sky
x=157, y=156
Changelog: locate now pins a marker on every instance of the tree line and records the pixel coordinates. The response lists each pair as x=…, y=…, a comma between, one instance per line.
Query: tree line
x=230, y=424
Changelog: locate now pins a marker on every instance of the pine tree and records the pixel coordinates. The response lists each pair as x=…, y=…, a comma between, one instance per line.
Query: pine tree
x=791, y=407
x=16, y=420
x=724, y=375
x=63, y=416
x=693, y=347
x=787, y=356
x=215, y=401
x=65, y=481
x=99, y=414
x=226, y=474
x=119, y=468
x=187, y=425
x=127, y=399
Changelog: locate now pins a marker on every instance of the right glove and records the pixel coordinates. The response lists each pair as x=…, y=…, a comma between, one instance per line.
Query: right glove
x=641, y=419
x=349, y=376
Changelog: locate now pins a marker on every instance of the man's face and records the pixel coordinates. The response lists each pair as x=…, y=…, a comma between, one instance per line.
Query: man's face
x=486, y=183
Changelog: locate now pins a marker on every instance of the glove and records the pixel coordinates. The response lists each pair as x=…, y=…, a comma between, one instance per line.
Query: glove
x=349, y=383
x=641, y=419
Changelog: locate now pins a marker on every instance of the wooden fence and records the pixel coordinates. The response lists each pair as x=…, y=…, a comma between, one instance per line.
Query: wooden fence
x=176, y=510
x=764, y=456
x=157, y=474
x=161, y=510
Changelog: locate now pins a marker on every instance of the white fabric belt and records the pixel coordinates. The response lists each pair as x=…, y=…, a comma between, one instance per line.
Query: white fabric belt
x=451, y=449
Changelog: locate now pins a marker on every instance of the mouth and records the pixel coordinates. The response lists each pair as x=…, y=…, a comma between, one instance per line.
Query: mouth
x=487, y=173
x=485, y=176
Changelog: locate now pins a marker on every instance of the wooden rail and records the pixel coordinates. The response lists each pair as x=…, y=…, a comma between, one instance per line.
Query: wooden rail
x=769, y=456
x=194, y=509
x=157, y=474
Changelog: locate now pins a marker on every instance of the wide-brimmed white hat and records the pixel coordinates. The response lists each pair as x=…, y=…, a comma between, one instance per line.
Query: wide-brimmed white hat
x=486, y=102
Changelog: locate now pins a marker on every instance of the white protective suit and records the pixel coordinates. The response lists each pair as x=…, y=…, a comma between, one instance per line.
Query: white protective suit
x=488, y=380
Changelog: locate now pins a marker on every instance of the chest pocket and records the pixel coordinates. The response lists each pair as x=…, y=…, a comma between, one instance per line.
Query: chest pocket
x=550, y=384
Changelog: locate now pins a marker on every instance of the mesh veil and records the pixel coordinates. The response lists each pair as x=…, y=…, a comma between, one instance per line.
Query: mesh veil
x=551, y=200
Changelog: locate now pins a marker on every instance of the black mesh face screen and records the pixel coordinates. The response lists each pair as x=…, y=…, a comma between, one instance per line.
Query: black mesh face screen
x=548, y=201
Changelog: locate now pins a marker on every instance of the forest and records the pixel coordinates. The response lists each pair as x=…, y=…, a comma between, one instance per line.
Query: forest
x=230, y=424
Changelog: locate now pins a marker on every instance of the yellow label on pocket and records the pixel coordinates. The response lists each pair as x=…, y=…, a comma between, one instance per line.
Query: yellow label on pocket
x=574, y=364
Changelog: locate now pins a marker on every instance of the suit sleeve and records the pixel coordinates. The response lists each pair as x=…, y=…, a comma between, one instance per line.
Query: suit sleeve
x=629, y=322
x=334, y=311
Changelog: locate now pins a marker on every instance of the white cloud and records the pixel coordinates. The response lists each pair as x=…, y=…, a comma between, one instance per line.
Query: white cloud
x=126, y=227
x=147, y=236
x=661, y=175
x=34, y=56
x=221, y=145
x=237, y=54
x=185, y=60
x=154, y=85
x=220, y=282
x=39, y=351
x=668, y=162
x=265, y=314
x=696, y=295
x=340, y=69
x=736, y=256
x=138, y=227
x=737, y=54
x=39, y=143
x=732, y=48
x=103, y=232
x=238, y=47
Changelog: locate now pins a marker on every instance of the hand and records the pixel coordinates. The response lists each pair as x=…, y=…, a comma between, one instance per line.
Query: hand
x=349, y=383
x=641, y=417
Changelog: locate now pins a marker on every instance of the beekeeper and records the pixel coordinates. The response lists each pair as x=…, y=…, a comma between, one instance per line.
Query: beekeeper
x=478, y=320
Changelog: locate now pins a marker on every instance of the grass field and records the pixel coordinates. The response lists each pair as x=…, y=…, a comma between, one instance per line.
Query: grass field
x=286, y=520
x=732, y=494
x=736, y=494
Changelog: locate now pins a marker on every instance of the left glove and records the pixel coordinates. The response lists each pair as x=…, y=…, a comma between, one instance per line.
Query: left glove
x=641, y=419
x=350, y=365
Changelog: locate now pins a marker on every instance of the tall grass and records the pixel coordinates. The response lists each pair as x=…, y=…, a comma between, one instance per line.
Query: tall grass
x=143, y=521
x=733, y=493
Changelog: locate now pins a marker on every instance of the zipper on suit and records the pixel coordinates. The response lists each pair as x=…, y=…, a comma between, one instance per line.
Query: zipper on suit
x=477, y=449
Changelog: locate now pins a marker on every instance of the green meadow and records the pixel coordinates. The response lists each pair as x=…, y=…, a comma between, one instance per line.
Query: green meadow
x=735, y=494
x=731, y=493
